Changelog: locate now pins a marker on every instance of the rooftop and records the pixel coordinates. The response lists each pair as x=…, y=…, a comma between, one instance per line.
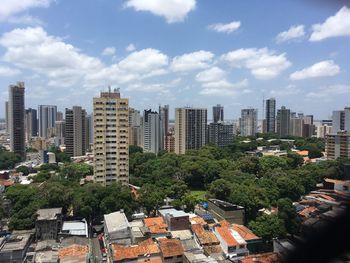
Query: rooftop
x=73, y=253
x=182, y=234
x=244, y=232
x=143, y=249
x=225, y=205
x=115, y=221
x=49, y=214
x=205, y=237
x=261, y=258
x=171, y=247
x=16, y=242
x=172, y=212
x=156, y=225
x=226, y=235
x=76, y=228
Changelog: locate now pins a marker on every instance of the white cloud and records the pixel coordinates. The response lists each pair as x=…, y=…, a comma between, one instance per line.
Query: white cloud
x=172, y=10
x=286, y=91
x=192, y=61
x=8, y=72
x=131, y=47
x=293, y=33
x=210, y=75
x=326, y=68
x=328, y=92
x=263, y=63
x=224, y=88
x=225, y=28
x=108, y=51
x=25, y=19
x=335, y=26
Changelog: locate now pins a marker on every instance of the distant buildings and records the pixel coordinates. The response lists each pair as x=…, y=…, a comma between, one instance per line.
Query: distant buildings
x=338, y=145
x=190, y=129
x=248, y=123
x=31, y=124
x=164, y=128
x=16, y=118
x=341, y=120
x=111, y=138
x=7, y=116
x=218, y=113
x=60, y=132
x=152, y=136
x=75, y=132
x=283, y=121
x=47, y=119
x=270, y=115
x=220, y=134
x=135, y=132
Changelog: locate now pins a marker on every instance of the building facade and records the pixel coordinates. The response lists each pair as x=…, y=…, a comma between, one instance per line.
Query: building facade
x=338, y=145
x=31, y=124
x=75, y=131
x=111, y=138
x=190, y=129
x=341, y=120
x=283, y=121
x=218, y=113
x=220, y=134
x=152, y=136
x=248, y=123
x=270, y=115
x=16, y=119
x=47, y=118
x=135, y=127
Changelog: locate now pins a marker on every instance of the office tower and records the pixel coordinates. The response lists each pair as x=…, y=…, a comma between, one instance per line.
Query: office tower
x=190, y=129
x=248, y=123
x=31, y=124
x=135, y=132
x=170, y=141
x=60, y=132
x=270, y=116
x=47, y=119
x=322, y=130
x=89, y=132
x=218, y=113
x=111, y=138
x=283, y=121
x=337, y=145
x=75, y=135
x=151, y=131
x=220, y=134
x=296, y=126
x=59, y=116
x=16, y=119
x=7, y=116
x=309, y=127
x=164, y=129
x=341, y=120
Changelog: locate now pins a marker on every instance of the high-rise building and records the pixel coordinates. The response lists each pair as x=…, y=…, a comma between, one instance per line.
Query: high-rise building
x=89, y=132
x=296, y=126
x=338, y=145
x=47, y=119
x=248, y=123
x=16, y=119
x=283, y=121
x=31, y=124
x=59, y=116
x=151, y=131
x=322, y=130
x=7, y=116
x=60, y=132
x=270, y=115
x=190, y=129
x=308, y=127
x=75, y=134
x=164, y=129
x=111, y=138
x=170, y=141
x=220, y=134
x=218, y=113
x=135, y=132
x=341, y=120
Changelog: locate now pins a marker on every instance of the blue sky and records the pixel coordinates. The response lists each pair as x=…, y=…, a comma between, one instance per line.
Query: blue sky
x=179, y=52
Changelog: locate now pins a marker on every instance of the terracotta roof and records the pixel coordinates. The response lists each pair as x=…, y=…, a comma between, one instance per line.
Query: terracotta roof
x=307, y=211
x=303, y=153
x=244, y=232
x=73, y=251
x=151, y=260
x=198, y=220
x=147, y=247
x=171, y=247
x=334, y=181
x=7, y=183
x=205, y=237
x=215, y=249
x=156, y=225
x=226, y=235
x=261, y=258
x=225, y=223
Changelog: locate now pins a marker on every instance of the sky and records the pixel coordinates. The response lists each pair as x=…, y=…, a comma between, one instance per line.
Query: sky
x=195, y=53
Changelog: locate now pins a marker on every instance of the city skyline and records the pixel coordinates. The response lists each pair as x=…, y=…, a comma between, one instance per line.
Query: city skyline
x=223, y=56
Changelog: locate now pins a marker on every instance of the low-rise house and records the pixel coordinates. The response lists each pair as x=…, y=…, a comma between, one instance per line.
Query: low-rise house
x=172, y=250
x=190, y=257
x=157, y=226
x=233, y=245
x=261, y=258
x=74, y=254
x=46, y=251
x=255, y=244
x=207, y=240
x=139, y=231
x=226, y=211
x=175, y=219
x=48, y=223
x=75, y=228
x=117, y=228
x=187, y=240
x=146, y=251
x=15, y=247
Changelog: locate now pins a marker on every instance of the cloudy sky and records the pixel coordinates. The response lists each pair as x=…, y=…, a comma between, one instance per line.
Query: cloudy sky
x=179, y=52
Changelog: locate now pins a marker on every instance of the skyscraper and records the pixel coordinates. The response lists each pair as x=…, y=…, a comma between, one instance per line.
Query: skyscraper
x=47, y=119
x=270, y=115
x=248, y=123
x=218, y=113
x=111, y=138
x=60, y=132
x=341, y=120
x=89, y=132
x=338, y=145
x=164, y=129
x=135, y=132
x=16, y=118
x=190, y=129
x=283, y=121
x=151, y=132
x=31, y=124
x=7, y=116
x=220, y=134
x=75, y=134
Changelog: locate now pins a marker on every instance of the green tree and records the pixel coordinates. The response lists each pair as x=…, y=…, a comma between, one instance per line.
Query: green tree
x=23, y=169
x=75, y=171
x=8, y=159
x=290, y=188
x=269, y=163
x=151, y=197
x=286, y=212
x=220, y=189
x=268, y=227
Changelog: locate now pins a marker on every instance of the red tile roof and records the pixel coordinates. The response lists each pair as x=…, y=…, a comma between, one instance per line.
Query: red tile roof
x=198, y=220
x=73, y=251
x=244, y=232
x=205, y=237
x=261, y=258
x=226, y=235
x=171, y=247
x=307, y=211
x=156, y=225
x=147, y=247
